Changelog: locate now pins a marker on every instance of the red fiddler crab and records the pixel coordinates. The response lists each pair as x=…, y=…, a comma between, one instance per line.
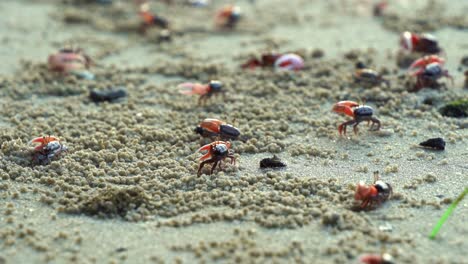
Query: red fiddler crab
x=204, y=90
x=211, y=127
x=49, y=148
x=288, y=61
x=384, y=258
x=372, y=195
x=359, y=113
x=228, y=16
x=368, y=76
x=69, y=60
x=424, y=43
x=217, y=152
x=428, y=70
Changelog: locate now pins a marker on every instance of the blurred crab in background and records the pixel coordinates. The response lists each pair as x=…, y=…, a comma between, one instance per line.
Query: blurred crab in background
x=383, y=258
x=205, y=91
x=217, y=152
x=149, y=19
x=359, y=113
x=228, y=17
x=424, y=43
x=49, y=148
x=289, y=61
x=414, y=46
x=69, y=60
x=368, y=77
x=427, y=71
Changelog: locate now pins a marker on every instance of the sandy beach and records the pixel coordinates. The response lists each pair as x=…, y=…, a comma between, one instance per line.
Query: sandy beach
x=127, y=189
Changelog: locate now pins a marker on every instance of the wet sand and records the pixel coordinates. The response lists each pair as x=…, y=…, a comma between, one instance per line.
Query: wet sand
x=127, y=191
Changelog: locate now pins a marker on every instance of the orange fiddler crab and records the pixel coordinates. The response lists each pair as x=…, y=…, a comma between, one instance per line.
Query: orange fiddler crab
x=217, y=152
x=359, y=113
x=204, y=90
x=49, y=148
x=372, y=195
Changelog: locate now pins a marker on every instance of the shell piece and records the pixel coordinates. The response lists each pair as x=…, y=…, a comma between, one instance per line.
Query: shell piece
x=289, y=61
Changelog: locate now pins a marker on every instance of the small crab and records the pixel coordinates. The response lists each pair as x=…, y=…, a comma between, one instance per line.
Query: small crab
x=359, y=113
x=211, y=127
x=424, y=43
x=266, y=60
x=288, y=61
x=149, y=19
x=384, y=258
x=49, y=148
x=228, y=16
x=69, y=60
x=217, y=152
x=372, y=195
x=427, y=71
x=368, y=77
x=204, y=90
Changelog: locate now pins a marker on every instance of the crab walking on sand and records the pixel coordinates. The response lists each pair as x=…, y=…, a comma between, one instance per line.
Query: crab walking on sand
x=49, y=147
x=359, y=113
x=216, y=152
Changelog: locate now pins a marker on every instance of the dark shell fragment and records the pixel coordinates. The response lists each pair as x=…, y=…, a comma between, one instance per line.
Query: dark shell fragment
x=434, y=143
x=108, y=95
x=273, y=162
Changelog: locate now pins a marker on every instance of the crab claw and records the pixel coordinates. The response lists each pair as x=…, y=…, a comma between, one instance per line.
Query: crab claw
x=289, y=61
x=364, y=191
x=206, y=147
x=193, y=88
x=44, y=140
x=345, y=107
x=422, y=62
x=407, y=40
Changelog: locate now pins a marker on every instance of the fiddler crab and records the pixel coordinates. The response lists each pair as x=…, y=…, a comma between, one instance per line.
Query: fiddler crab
x=289, y=61
x=211, y=127
x=384, y=258
x=424, y=43
x=359, y=113
x=228, y=16
x=368, y=77
x=49, y=148
x=69, y=60
x=428, y=70
x=217, y=151
x=373, y=195
x=149, y=19
x=205, y=91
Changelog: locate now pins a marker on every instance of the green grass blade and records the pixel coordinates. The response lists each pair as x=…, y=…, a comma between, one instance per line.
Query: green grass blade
x=447, y=213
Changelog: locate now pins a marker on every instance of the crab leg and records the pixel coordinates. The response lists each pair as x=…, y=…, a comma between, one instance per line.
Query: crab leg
x=422, y=62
